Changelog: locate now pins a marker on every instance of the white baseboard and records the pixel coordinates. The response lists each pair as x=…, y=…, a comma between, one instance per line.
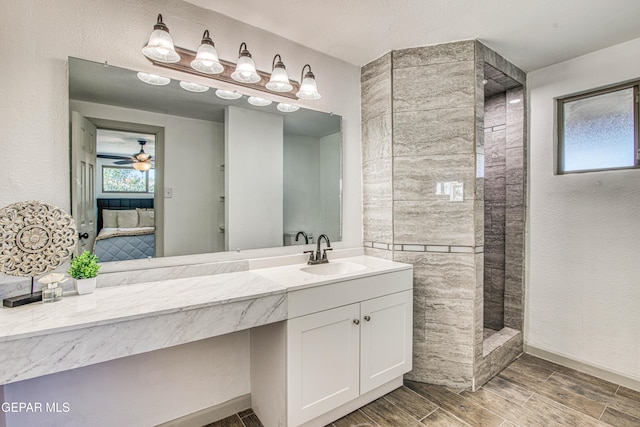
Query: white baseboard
x=587, y=368
x=211, y=414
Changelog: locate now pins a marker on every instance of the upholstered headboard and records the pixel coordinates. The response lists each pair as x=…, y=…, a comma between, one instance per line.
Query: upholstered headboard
x=121, y=204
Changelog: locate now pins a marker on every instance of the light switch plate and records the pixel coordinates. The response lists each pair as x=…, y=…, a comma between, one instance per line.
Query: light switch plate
x=168, y=192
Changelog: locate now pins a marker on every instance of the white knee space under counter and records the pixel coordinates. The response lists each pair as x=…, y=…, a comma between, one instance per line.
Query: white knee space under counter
x=270, y=303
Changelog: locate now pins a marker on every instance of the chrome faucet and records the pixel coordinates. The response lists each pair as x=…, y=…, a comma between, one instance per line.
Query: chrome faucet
x=306, y=238
x=319, y=257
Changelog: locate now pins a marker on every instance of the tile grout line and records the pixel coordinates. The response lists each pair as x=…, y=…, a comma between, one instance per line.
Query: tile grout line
x=606, y=405
x=407, y=412
x=368, y=417
x=617, y=390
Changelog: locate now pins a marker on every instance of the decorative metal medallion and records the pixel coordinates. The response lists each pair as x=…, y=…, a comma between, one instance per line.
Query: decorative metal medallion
x=35, y=238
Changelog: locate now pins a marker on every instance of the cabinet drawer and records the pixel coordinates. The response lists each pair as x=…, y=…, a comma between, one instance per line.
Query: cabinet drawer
x=319, y=298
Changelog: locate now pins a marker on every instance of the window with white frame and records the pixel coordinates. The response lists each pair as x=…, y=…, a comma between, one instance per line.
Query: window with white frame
x=599, y=130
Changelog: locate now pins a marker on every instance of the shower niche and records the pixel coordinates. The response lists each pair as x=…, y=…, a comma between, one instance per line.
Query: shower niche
x=500, y=214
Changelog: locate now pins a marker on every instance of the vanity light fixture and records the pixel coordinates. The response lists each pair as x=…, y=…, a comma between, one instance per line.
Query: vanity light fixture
x=287, y=108
x=228, y=94
x=279, y=81
x=193, y=87
x=160, y=46
x=308, y=88
x=245, y=71
x=207, y=60
x=154, y=79
x=259, y=102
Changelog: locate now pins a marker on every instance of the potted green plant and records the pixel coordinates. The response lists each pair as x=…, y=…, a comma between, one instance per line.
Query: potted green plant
x=84, y=269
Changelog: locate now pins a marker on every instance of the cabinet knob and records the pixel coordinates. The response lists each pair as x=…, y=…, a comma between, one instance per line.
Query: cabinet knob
x=356, y=321
x=367, y=318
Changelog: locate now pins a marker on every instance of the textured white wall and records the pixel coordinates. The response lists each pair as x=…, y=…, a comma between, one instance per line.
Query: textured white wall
x=37, y=37
x=582, y=293
x=141, y=390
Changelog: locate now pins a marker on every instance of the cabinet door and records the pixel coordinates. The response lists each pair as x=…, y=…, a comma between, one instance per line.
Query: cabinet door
x=323, y=362
x=386, y=339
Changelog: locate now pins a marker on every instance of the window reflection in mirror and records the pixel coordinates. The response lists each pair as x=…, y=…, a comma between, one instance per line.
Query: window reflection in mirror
x=227, y=175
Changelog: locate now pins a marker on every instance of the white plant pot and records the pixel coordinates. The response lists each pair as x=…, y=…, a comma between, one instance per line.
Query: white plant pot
x=85, y=286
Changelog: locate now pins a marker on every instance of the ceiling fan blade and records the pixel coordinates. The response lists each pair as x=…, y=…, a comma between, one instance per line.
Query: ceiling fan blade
x=112, y=156
x=124, y=162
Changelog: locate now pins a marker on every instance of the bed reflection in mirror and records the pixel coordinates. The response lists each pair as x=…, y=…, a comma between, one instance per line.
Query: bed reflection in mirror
x=160, y=171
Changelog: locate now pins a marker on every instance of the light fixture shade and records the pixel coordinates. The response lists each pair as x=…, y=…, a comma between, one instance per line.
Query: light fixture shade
x=287, y=108
x=228, y=94
x=154, y=79
x=193, y=87
x=207, y=60
x=308, y=87
x=142, y=166
x=279, y=81
x=259, y=102
x=245, y=71
x=160, y=46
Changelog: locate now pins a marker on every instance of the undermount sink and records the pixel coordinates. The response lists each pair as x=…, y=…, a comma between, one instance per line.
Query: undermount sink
x=333, y=268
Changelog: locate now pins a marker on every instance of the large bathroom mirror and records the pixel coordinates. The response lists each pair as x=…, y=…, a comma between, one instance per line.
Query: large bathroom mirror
x=159, y=170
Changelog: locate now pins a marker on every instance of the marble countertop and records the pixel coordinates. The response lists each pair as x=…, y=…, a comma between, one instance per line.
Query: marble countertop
x=129, y=302
x=293, y=278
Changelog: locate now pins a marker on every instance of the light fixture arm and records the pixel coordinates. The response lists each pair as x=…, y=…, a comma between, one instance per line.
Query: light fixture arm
x=309, y=73
x=206, y=39
x=245, y=51
x=278, y=64
x=160, y=25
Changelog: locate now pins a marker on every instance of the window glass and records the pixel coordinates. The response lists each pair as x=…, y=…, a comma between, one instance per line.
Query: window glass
x=598, y=132
x=124, y=180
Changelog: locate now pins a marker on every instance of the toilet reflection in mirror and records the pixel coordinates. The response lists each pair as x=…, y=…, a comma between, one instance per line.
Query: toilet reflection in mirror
x=224, y=174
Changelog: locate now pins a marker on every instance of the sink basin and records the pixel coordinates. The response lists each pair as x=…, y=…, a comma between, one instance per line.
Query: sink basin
x=333, y=268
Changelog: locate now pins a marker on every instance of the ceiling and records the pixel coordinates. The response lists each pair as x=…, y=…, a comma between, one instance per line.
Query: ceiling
x=530, y=33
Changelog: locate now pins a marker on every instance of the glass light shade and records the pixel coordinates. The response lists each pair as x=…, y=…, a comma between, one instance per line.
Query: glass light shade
x=308, y=89
x=160, y=46
x=245, y=71
x=207, y=60
x=228, y=94
x=193, y=87
x=259, y=102
x=287, y=108
x=154, y=79
x=142, y=166
x=279, y=81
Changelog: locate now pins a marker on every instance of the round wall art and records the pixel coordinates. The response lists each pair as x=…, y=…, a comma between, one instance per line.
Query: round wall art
x=35, y=238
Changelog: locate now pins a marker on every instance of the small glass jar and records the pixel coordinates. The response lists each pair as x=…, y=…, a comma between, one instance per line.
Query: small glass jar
x=51, y=293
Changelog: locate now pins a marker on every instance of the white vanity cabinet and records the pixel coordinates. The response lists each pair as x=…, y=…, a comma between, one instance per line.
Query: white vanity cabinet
x=336, y=355
x=323, y=353
x=344, y=344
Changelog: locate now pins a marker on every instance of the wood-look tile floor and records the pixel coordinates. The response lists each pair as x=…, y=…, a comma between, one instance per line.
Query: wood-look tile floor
x=530, y=392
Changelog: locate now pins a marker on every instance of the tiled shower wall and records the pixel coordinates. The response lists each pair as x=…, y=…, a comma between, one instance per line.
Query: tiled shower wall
x=419, y=136
x=495, y=200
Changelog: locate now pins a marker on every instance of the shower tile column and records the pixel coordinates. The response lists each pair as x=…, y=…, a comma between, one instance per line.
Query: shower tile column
x=422, y=126
x=377, y=177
